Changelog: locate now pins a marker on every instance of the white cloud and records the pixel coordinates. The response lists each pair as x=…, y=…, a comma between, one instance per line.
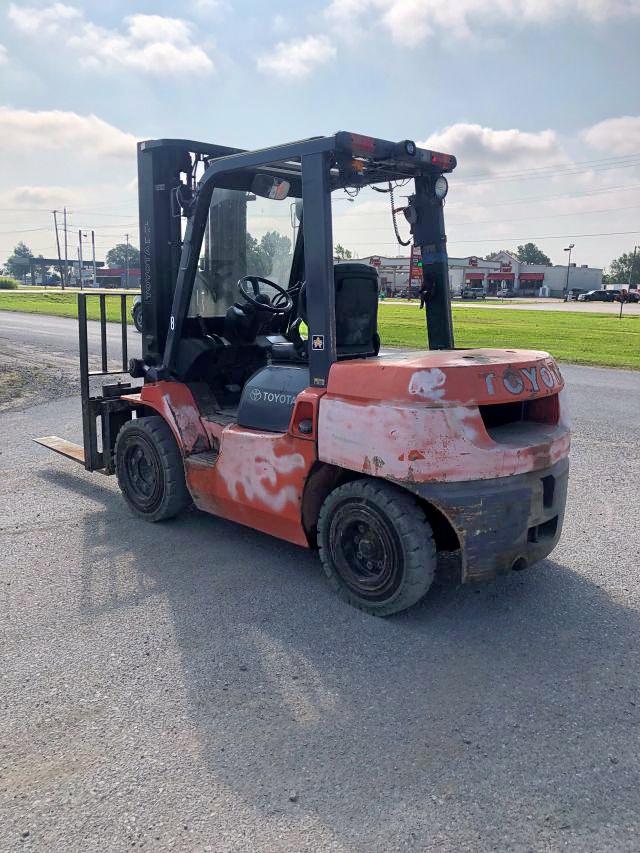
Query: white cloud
x=617, y=135
x=48, y=197
x=48, y=20
x=149, y=43
x=411, y=21
x=4, y=58
x=482, y=150
x=297, y=58
x=63, y=131
x=206, y=6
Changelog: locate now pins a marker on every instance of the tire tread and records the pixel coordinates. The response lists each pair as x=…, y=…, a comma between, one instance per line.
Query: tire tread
x=413, y=530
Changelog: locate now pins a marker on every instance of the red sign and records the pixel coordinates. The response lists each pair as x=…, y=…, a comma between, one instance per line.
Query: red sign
x=415, y=273
x=473, y=261
x=376, y=262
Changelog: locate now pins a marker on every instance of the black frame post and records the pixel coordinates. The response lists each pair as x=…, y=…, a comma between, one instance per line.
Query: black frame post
x=318, y=251
x=158, y=176
x=431, y=236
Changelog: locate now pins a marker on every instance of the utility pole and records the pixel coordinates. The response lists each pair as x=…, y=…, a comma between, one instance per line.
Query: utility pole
x=65, y=278
x=80, y=255
x=93, y=246
x=55, y=222
x=126, y=279
x=566, y=287
x=633, y=263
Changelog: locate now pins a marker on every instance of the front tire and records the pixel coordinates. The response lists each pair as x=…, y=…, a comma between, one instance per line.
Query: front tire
x=137, y=317
x=376, y=546
x=150, y=470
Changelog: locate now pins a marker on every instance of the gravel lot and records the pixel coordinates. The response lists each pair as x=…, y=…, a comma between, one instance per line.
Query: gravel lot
x=195, y=685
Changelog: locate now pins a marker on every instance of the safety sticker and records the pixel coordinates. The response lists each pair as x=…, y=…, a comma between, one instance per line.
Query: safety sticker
x=317, y=342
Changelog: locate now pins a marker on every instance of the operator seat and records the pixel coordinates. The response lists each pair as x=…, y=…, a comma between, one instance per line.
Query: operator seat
x=356, y=293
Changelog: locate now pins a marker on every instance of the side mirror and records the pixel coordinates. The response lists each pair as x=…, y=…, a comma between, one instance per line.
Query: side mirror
x=270, y=187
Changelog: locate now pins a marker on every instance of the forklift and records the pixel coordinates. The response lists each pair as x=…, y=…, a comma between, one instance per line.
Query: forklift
x=263, y=395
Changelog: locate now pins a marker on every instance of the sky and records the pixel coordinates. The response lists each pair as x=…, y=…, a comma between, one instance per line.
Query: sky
x=538, y=99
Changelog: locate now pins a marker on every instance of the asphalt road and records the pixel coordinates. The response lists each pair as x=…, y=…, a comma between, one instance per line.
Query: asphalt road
x=58, y=336
x=196, y=686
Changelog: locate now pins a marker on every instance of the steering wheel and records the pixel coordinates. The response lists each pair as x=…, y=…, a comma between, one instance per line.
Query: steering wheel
x=282, y=302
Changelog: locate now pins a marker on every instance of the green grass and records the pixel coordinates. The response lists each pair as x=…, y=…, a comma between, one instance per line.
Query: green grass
x=581, y=338
x=62, y=305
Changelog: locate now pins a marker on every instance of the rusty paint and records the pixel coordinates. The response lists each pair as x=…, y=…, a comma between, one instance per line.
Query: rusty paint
x=176, y=404
x=258, y=479
x=427, y=429
x=441, y=377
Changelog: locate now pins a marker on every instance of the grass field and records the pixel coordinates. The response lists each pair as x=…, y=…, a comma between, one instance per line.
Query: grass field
x=581, y=338
x=61, y=305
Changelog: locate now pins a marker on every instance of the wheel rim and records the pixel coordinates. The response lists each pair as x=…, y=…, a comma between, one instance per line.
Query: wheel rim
x=366, y=551
x=142, y=473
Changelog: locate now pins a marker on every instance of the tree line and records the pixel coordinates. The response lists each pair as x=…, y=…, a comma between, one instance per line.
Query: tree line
x=261, y=254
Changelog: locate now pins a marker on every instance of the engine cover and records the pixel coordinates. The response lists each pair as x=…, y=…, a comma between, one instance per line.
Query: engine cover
x=269, y=396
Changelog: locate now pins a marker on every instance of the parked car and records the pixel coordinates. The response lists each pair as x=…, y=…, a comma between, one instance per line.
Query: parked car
x=633, y=296
x=574, y=294
x=473, y=291
x=505, y=293
x=136, y=313
x=598, y=296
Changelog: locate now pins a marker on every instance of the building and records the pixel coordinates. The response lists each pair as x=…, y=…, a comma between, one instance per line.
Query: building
x=503, y=272
x=119, y=277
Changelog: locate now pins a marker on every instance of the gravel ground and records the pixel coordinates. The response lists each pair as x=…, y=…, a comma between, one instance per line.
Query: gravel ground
x=196, y=686
x=26, y=378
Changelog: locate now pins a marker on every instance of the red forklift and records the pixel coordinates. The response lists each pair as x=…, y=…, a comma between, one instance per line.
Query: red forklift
x=264, y=398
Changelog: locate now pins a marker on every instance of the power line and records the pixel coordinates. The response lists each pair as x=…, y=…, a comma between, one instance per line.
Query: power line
x=500, y=238
x=451, y=225
x=601, y=165
x=25, y=230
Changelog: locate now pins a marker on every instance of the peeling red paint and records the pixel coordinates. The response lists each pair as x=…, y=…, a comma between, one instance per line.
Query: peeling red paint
x=175, y=402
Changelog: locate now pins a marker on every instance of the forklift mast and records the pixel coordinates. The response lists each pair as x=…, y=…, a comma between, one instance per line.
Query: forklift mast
x=162, y=167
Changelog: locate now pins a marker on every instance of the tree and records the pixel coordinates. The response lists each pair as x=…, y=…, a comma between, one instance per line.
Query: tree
x=620, y=268
x=343, y=253
x=276, y=244
x=531, y=254
x=492, y=256
x=15, y=264
x=117, y=257
x=258, y=260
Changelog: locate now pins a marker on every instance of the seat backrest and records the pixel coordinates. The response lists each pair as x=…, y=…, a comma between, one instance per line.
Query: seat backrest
x=356, y=289
x=356, y=309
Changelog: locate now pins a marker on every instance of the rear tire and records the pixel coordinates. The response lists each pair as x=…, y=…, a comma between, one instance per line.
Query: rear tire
x=376, y=546
x=150, y=470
